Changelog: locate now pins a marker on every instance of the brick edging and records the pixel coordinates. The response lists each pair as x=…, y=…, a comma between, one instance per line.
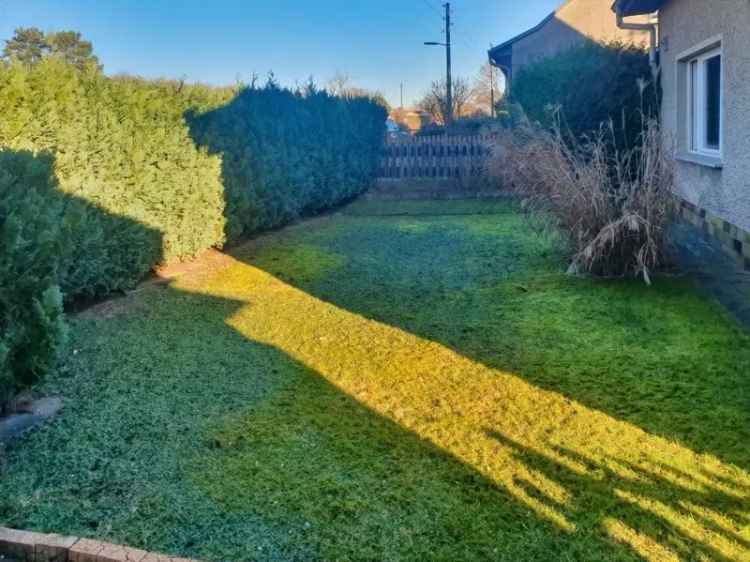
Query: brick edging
x=27, y=546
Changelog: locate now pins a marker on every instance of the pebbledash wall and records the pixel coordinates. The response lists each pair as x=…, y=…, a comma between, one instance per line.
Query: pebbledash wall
x=716, y=192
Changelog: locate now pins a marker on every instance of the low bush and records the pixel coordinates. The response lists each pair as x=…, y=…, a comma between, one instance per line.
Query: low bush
x=32, y=327
x=614, y=203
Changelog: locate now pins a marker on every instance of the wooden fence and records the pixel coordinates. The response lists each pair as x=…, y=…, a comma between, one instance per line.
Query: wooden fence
x=434, y=157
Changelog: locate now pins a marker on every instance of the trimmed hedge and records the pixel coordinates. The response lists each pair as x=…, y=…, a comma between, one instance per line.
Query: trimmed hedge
x=290, y=153
x=155, y=171
x=591, y=83
x=32, y=328
x=250, y=159
x=121, y=145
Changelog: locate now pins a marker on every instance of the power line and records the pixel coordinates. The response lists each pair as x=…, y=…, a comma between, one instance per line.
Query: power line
x=432, y=7
x=469, y=43
x=462, y=36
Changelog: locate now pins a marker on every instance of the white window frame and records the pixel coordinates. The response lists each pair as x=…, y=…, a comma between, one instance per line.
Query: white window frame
x=695, y=114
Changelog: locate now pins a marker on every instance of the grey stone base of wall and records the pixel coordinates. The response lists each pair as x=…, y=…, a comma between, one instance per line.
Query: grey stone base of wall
x=25, y=546
x=734, y=241
x=703, y=259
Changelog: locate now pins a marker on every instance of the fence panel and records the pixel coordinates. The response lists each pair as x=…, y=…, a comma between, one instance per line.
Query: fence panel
x=442, y=157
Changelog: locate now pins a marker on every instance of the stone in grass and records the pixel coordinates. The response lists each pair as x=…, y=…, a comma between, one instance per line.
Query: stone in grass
x=36, y=413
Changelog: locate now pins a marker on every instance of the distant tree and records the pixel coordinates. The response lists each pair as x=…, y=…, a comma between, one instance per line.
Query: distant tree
x=70, y=47
x=341, y=85
x=488, y=80
x=435, y=102
x=28, y=46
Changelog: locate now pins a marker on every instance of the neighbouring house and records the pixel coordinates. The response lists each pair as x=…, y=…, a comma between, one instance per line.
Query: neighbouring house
x=704, y=58
x=412, y=119
x=571, y=24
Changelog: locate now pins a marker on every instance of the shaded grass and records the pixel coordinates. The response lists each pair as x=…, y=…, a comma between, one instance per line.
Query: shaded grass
x=417, y=207
x=401, y=388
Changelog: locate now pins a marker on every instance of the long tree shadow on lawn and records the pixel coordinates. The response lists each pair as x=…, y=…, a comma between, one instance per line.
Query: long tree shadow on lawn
x=492, y=288
x=387, y=425
x=237, y=410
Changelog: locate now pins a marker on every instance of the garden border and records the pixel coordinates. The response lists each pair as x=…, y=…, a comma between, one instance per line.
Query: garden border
x=28, y=546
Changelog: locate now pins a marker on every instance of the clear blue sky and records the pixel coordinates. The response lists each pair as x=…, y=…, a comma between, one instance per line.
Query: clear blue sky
x=378, y=43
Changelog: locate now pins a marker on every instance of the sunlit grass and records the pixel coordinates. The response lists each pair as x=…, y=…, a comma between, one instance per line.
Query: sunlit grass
x=519, y=437
x=425, y=387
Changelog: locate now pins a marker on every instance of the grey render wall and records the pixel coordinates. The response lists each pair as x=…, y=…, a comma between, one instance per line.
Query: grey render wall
x=683, y=25
x=572, y=23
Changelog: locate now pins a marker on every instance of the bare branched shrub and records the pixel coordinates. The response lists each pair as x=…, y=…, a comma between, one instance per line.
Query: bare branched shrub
x=615, y=204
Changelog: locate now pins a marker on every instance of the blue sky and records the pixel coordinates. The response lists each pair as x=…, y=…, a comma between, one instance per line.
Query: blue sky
x=378, y=43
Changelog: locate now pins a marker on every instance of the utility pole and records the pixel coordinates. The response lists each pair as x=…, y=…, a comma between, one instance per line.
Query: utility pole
x=402, y=95
x=448, y=80
x=449, y=83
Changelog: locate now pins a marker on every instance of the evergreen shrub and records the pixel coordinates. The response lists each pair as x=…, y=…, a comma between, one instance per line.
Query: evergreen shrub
x=251, y=158
x=32, y=326
x=290, y=153
x=589, y=85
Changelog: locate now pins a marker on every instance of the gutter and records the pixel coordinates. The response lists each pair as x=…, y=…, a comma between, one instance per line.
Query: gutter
x=653, y=49
x=506, y=72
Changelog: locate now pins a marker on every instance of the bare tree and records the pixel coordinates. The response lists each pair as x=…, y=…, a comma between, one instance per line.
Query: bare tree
x=435, y=103
x=488, y=80
x=339, y=84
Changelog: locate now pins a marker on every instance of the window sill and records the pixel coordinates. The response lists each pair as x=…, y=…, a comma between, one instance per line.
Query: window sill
x=701, y=160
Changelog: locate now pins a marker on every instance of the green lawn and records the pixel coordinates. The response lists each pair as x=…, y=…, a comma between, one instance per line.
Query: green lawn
x=399, y=381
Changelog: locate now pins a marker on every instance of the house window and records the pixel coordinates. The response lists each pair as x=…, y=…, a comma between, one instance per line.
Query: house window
x=705, y=103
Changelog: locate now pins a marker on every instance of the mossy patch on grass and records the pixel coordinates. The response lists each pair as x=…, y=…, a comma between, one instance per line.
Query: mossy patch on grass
x=427, y=386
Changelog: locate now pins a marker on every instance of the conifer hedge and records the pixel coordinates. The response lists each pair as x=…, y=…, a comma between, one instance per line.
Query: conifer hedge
x=121, y=145
x=150, y=171
x=290, y=153
x=32, y=329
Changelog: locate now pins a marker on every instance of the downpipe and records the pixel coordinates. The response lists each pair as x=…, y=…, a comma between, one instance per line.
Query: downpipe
x=653, y=49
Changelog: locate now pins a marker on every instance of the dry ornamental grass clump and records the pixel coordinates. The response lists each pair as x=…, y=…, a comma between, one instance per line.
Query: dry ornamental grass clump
x=615, y=204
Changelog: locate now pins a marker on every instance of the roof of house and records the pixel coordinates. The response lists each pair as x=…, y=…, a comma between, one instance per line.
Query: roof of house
x=540, y=25
x=637, y=7
x=628, y=8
